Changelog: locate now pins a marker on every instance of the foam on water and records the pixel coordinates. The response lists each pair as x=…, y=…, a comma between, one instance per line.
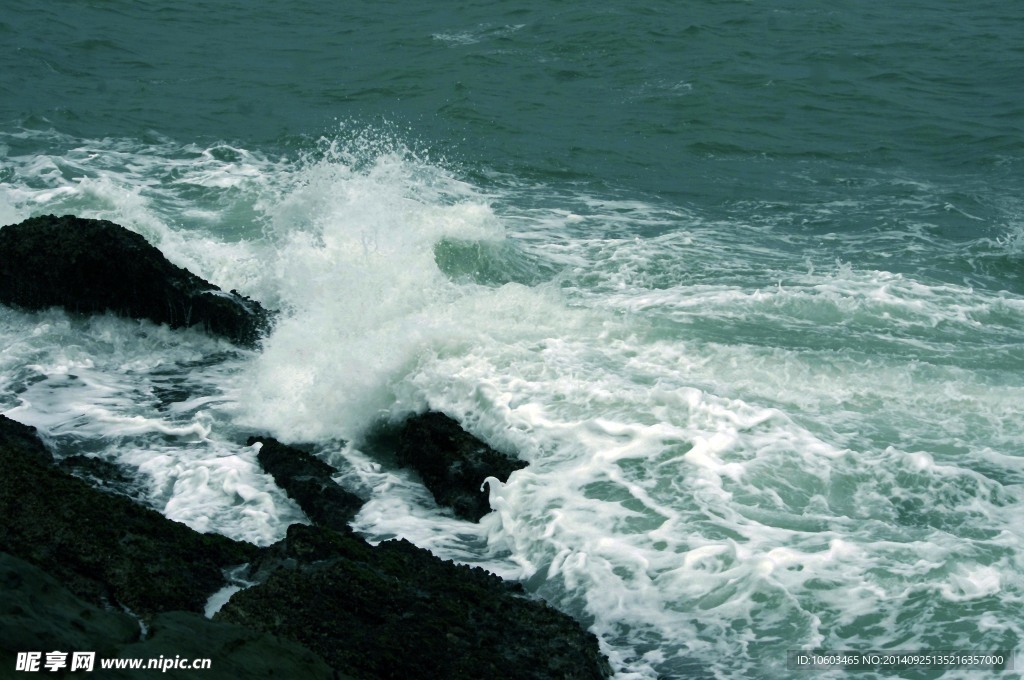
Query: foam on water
x=738, y=445
x=479, y=33
x=149, y=399
x=676, y=516
x=132, y=393
x=1012, y=242
x=355, y=266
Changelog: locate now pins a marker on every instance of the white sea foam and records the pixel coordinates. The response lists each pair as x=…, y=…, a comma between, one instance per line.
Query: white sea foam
x=356, y=270
x=124, y=391
x=737, y=446
x=479, y=33
x=1012, y=242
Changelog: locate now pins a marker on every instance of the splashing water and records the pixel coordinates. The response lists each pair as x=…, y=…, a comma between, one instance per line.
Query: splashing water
x=738, y=446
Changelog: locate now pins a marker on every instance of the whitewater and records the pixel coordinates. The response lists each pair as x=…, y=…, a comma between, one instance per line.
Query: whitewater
x=739, y=444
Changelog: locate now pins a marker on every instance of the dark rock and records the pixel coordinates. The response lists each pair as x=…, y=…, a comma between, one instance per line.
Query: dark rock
x=38, y=614
x=386, y=611
x=104, y=548
x=235, y=652
x=396, y=611
x=452, y=463
x=94, y=266
x=102, y=474
x=22, y=440
x=308, y=480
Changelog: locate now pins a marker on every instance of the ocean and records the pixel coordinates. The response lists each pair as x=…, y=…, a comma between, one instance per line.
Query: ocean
x=742, y=281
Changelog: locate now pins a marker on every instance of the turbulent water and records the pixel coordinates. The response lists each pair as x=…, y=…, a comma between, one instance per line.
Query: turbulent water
x=743, y=282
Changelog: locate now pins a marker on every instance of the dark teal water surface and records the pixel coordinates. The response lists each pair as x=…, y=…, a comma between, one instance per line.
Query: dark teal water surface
x=712, y=103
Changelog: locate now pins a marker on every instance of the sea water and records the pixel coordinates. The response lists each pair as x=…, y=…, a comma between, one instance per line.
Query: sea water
x=743, y=283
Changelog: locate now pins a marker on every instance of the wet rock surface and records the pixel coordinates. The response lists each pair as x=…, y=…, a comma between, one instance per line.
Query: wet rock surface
x=452, y=463
x=328, y=603
x=308, y=481
x=102, y=474
x=37, y=613
x=421, y=617
x=93, y=266
x=104, y=548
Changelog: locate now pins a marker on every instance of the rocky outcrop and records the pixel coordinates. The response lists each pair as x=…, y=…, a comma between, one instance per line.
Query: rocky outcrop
x=104, y=548
x=91, y=266
x=103, y=475
x=326, y=603
x=235, y=652
x=21, y=441
x=308, y=481
x=452, y=463
x=39, y=614
x=396, y=611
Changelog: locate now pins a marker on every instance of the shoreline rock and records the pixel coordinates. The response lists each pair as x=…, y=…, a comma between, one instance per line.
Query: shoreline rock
x=391, y=610
x=308, y=481
x=93, y=266
x=105, y=548
x=422, y=617
x=452, y=463
x=37, y=613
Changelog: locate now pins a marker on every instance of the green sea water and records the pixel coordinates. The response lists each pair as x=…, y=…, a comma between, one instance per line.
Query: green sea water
x=710, y=102
x=743, y=282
